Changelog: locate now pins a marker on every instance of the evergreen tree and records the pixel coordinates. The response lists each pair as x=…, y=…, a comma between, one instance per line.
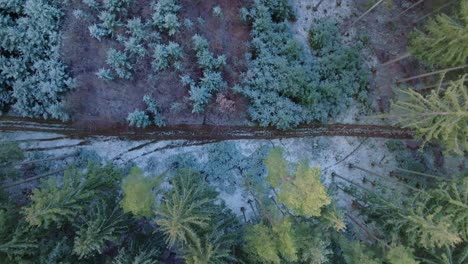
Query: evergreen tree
x=209, y=249
x=58, y=201
x=355, y=252
x=100, y=227
x=438, y=116
x=185, y=208
x=443, y=42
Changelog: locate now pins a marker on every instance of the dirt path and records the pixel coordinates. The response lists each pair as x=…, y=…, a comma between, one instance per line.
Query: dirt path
x=193, y=132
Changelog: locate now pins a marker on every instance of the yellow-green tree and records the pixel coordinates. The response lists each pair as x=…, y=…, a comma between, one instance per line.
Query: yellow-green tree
x=443, y=42
x=300, y=191
x=438, y=116
x=138, y=196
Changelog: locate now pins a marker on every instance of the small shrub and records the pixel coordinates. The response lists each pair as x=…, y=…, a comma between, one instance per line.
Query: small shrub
x=119, y=62
x=138, y=119
x=188, y=24
x=91, y=3
x=165, y=16
x=97, y=32
x=165, y=55
x=176, y=107
x=226, y=105
x=80, y=14
x=217, y=11
x=205, y=58
x=108, y=21
x=133, y=46
x=153, y=108
x=105, y=74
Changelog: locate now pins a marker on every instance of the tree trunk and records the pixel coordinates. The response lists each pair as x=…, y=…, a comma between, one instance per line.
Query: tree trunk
x=352, y=166
x=404, y=56
x=435, y=11
x=315, y=8
x=47, y=159
x=409, y=8
x=432, y=73
x=31, y=179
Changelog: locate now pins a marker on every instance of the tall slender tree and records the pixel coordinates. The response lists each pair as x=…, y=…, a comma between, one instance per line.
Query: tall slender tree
x=438, y=116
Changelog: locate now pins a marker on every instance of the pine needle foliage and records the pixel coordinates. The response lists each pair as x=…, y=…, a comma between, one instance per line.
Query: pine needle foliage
x=15, y=237
x=355, y=252
x=301, y=191
x=443, y=42
x=139, y=198
x=137, y=255
x=59, y=201
x=400, y=255
x=438, y=116
x=210, y=249
x=428, y=219
x=100, y=227
x=185, y=208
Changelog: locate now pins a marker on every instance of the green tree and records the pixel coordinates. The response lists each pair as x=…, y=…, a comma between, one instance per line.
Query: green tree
x=139, y=198
x=100, y=227
x=400, y=255
x=60, y=200
x=438, y=116
x=210, y=249
x=260, y=244
x=443, y=42
x=185, y=208
x=355, y=252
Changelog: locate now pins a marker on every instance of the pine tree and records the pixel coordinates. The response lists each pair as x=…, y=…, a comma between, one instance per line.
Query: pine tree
x=442, y=117
x=400, y=255
x=139, y=198
x=443, y=43
x=100, y=227
x=16, y=240
x=209, y=249
x=355, y=252
x=185, y=208
x=58, y=201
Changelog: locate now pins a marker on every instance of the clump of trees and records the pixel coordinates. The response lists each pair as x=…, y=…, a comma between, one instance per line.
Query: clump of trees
x=301, y=89
x=33, y=80
x=98, y=213
x=212, y=81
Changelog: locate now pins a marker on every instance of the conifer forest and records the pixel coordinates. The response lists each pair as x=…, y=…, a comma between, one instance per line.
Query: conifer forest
x=233, y=131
